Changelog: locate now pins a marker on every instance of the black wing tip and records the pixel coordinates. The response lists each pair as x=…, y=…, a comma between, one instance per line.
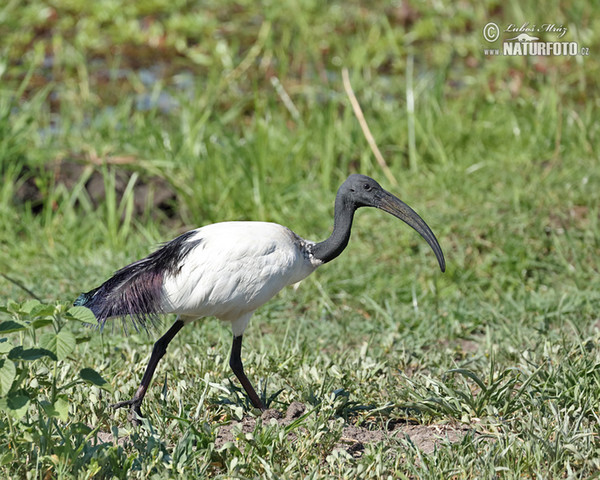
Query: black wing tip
x=83, y=299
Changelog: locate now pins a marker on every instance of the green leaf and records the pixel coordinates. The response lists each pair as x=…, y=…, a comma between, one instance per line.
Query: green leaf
x=29, y=354
x=9, y=326
x=29, y=305
x=15, y=405
x=81, y=314
x=48, y=408
x=80, y=428
x=7, y=458
x=42, y=310
x=8, y=371
x=469, y=374
x=61, y=343
x=41, y=322
x=61, y=407
x=92, y=376
x=5, y=345
x=13, y=307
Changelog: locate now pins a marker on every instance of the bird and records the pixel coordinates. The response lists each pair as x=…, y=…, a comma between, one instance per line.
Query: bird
x=228, y=270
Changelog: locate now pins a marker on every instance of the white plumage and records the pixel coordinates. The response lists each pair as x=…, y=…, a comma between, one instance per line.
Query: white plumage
x=235, y=268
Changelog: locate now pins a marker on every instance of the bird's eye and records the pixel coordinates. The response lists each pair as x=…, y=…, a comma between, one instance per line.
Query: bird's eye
x=366, y=187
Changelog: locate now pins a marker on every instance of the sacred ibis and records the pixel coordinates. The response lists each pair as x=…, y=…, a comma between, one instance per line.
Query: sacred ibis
x=228, y=270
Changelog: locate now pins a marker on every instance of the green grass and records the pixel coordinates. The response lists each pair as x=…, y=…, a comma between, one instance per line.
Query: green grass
x=499, y=156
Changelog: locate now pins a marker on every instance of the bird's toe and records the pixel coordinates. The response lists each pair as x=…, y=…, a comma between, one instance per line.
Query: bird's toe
x=126, y=403
x=135, y=413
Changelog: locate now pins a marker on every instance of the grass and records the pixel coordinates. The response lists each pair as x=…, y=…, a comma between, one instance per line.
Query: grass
x=499, y=156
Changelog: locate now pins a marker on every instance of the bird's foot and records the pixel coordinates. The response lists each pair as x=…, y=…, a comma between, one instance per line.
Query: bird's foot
x=135, y=413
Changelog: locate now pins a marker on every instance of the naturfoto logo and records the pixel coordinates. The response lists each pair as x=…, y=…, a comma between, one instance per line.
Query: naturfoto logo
x=526, y=39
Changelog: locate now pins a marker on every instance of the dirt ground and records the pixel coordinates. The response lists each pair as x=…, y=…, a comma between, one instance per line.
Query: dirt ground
x=150, y=193
x=354, y=438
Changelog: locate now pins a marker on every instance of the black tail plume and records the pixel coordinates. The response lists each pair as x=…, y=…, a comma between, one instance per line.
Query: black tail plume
x=133, y=292
x=136, y=291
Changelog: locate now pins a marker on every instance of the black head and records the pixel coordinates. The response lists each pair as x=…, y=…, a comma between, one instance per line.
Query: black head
x=362, y=191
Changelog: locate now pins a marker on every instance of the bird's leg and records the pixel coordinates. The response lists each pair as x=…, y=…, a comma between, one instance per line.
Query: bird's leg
x=160, y=347
x=235, y=362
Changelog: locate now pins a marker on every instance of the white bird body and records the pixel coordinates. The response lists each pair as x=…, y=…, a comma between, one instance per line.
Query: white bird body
x=234, y=268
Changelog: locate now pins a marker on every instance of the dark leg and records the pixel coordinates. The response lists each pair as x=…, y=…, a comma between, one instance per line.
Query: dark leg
x=160, y=347
x=235, y=362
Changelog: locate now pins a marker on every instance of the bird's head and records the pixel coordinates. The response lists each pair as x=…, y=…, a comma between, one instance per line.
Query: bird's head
x=362, y=191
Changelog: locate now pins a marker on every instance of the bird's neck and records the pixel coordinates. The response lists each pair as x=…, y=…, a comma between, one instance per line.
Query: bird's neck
x=329, y=249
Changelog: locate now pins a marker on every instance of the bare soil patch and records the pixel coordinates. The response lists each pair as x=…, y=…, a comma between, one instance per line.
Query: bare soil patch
x=150, y=192
x=354, y=438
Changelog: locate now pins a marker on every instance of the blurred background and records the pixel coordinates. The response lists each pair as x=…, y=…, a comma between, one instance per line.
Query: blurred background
x=123, y=124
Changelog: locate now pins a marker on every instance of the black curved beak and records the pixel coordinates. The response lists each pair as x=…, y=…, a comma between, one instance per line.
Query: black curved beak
x=396, y=207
